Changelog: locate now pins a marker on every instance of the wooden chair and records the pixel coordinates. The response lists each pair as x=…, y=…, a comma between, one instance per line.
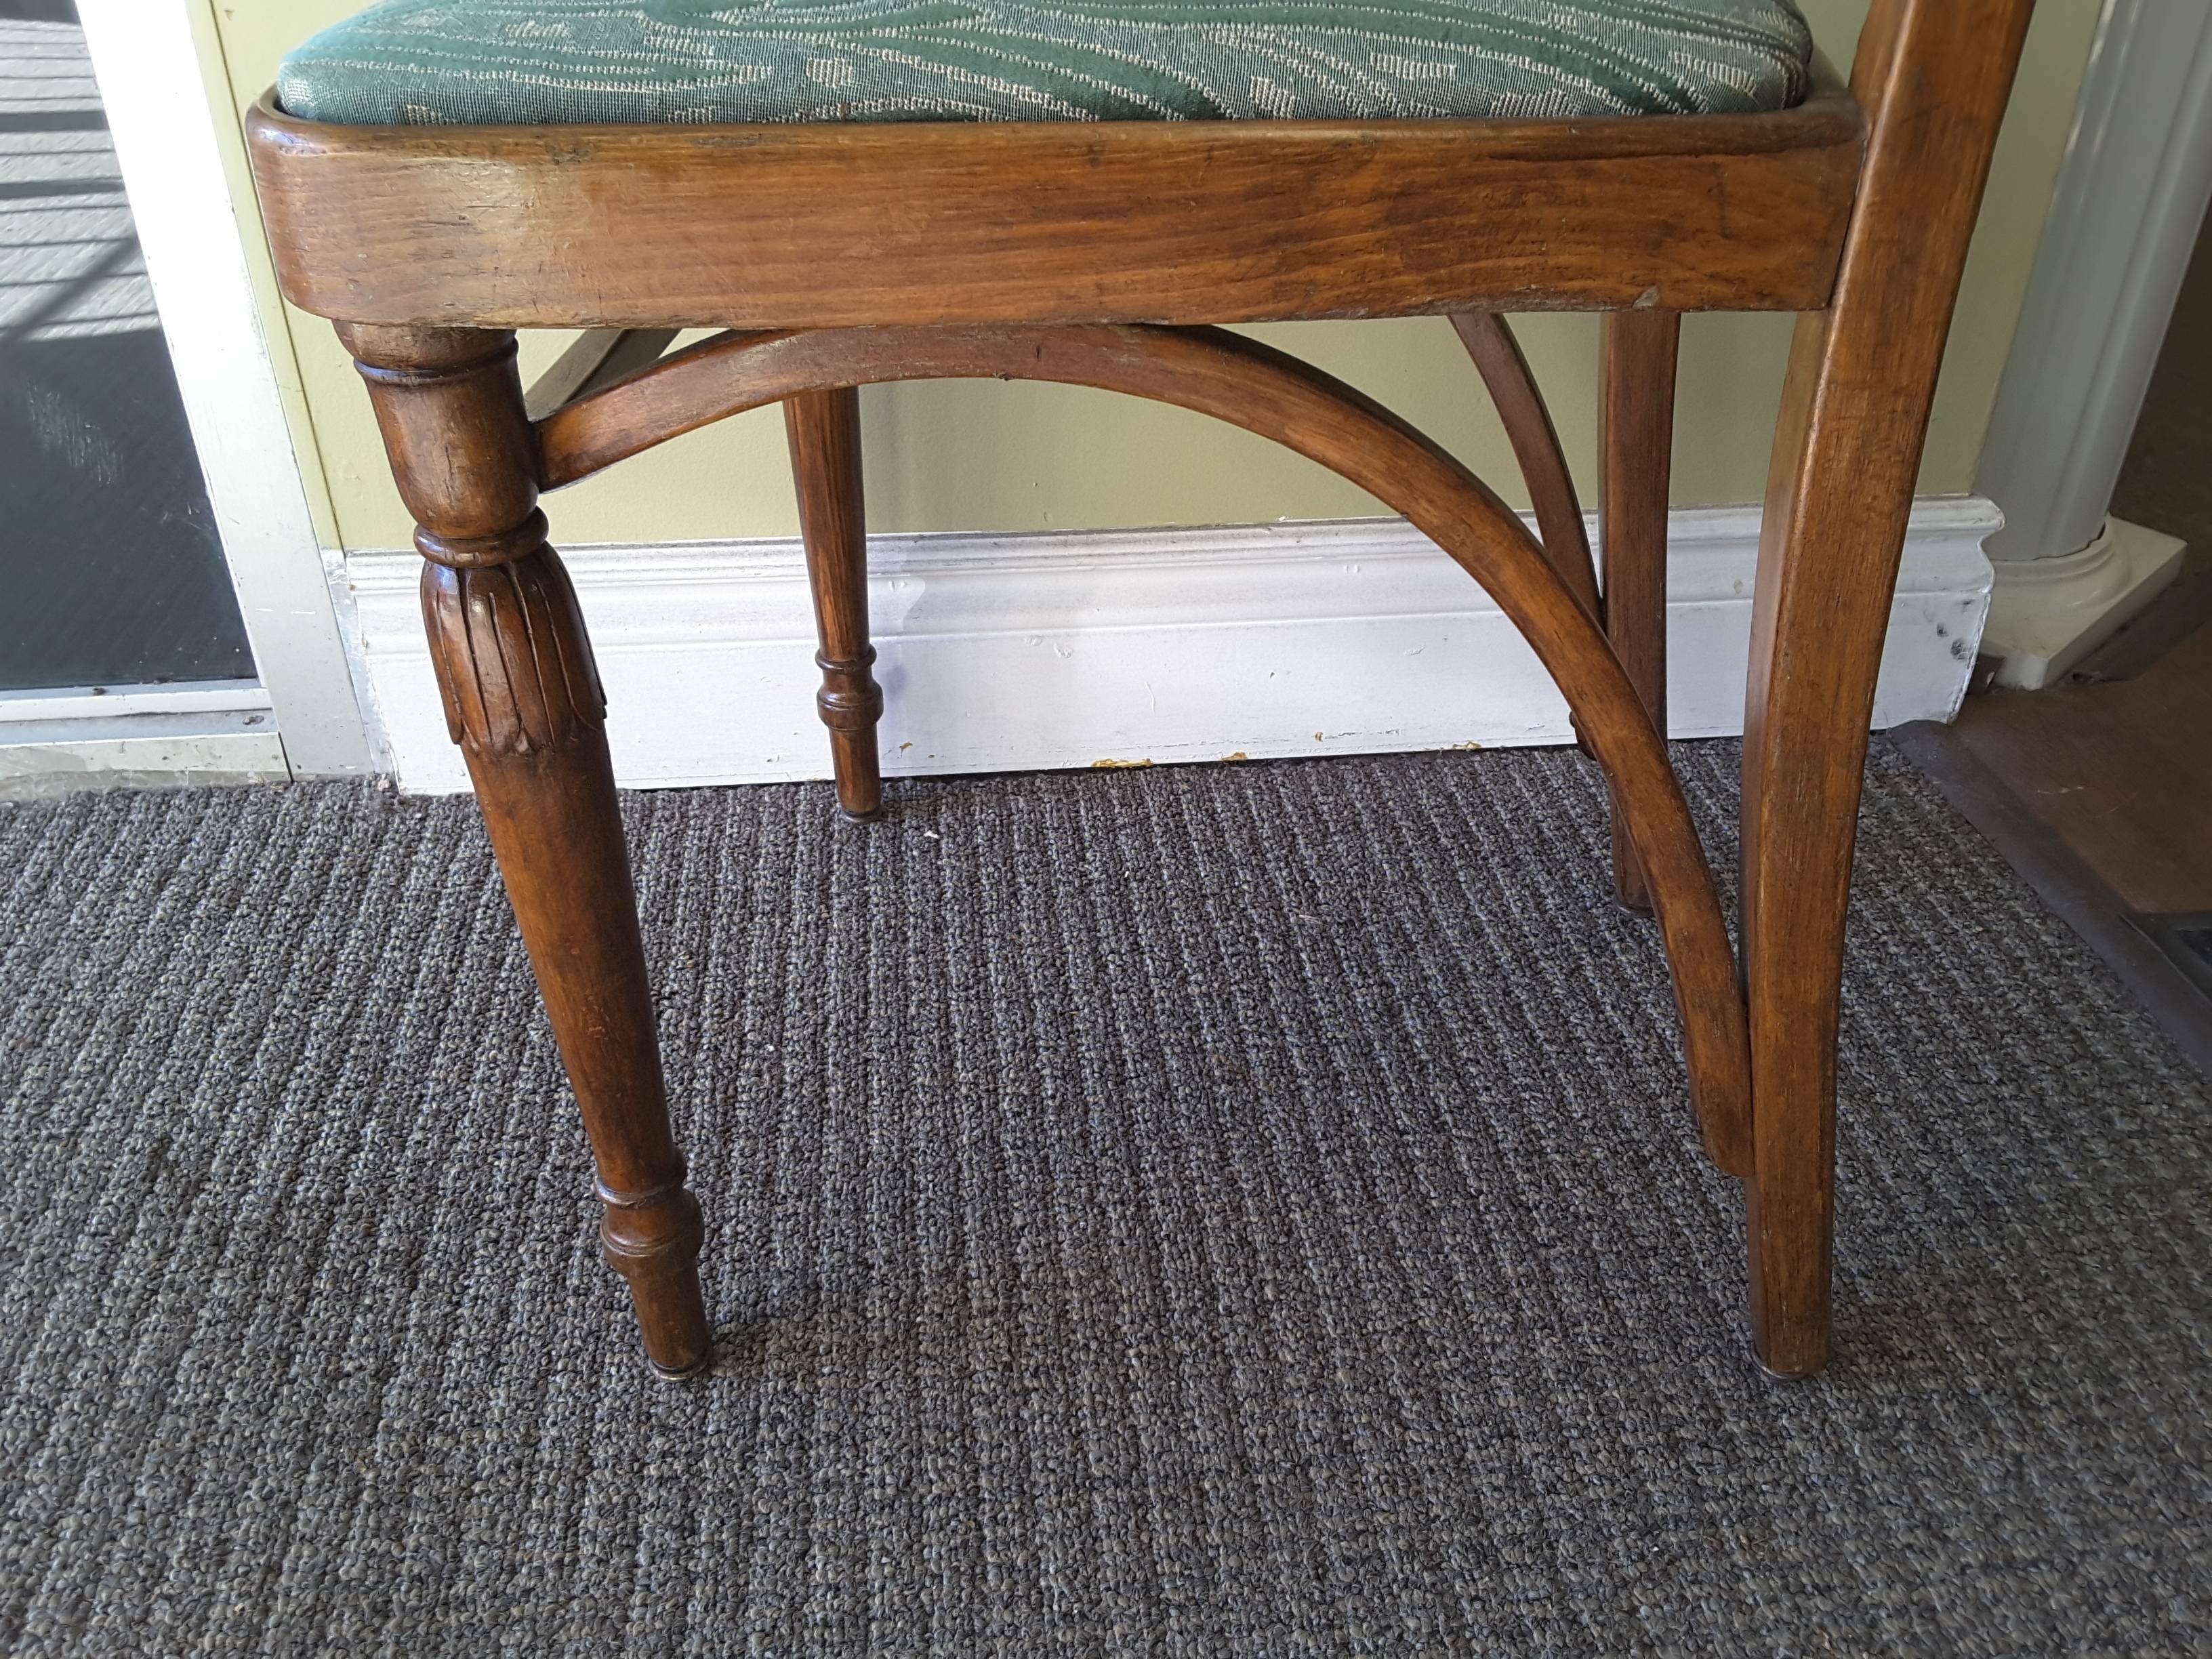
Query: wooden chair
x=1105, y=254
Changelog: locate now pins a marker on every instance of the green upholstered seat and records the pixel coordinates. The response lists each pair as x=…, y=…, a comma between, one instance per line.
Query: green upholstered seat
x=477, y=62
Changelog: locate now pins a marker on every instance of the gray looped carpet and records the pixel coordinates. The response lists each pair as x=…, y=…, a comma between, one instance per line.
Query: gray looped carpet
x=1230, y=1211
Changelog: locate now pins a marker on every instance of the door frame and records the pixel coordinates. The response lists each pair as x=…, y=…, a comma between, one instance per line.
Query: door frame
x=169, y=139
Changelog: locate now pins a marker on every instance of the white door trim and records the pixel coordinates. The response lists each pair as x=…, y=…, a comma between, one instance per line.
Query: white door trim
x=45, y=705
x=146, y=61
x=42, y=758
x=2124, y=220
x=62, y=740
x=1128, y=647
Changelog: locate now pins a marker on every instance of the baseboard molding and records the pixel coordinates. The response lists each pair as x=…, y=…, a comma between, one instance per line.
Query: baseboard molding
x=1094, y=648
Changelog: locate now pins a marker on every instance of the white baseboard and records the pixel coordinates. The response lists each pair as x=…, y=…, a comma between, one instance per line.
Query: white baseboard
x=1090, y=648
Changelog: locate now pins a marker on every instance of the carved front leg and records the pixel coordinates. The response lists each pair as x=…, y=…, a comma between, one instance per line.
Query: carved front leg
x=522, y=699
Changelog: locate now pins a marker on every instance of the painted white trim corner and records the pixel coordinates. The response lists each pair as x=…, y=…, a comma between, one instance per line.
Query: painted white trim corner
x=146, y=60
x=2046, y=614
x=1014, y=652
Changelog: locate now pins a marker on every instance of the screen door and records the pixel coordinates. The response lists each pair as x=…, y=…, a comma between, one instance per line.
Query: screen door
x=111, y=571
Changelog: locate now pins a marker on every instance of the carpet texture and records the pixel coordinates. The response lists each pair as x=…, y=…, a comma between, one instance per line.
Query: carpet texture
x=1238, y=1211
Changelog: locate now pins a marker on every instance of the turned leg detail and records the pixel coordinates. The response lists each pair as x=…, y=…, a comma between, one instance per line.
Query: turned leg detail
x=1636, y=443
x=824, y=431
x=523, y=701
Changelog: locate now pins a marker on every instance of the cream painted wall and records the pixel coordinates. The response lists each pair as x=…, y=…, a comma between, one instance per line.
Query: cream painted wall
x=988, y=456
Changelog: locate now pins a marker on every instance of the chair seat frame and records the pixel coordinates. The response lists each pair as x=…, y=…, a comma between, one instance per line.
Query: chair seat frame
x=1111, y=255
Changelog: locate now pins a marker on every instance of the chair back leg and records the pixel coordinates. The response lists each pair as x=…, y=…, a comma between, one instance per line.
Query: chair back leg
x=1635, y=451
x=824, y=429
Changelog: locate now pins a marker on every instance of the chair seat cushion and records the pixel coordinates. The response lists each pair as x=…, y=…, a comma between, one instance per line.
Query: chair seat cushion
x=479, y=61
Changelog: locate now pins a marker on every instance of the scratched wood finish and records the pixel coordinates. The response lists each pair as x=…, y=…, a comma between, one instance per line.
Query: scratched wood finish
x=838, y=225
x=523, y=701
x=1636, y=454
x=1934, y=76
x=824, y=431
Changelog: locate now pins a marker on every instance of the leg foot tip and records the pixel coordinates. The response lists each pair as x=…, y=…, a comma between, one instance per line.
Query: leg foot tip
x=697, y=1369
x=1803, y=1371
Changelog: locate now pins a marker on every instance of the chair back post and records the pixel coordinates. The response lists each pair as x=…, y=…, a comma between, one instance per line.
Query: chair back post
x=1933, y=77
x=1878, y=39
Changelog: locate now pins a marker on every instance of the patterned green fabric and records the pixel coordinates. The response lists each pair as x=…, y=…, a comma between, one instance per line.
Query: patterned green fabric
x=472, y=61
